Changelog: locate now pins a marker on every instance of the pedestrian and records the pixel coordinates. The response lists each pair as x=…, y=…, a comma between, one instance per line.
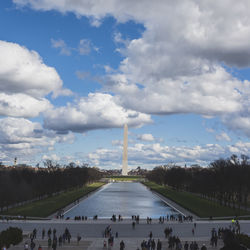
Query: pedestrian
x=203, y=247
x=40, y=247
x=78, y=239
x=122, y=245
x=32, y=245
x=153, y=244
x=54, y=244
x=43, y=233
x=159, y=245
x=186, y=246
x=26, y=246
x=150, y=234
x=104, y=244
x=49, y=242
x=49, y=233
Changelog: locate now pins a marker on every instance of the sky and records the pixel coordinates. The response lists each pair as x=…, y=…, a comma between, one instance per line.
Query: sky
x=72, y=73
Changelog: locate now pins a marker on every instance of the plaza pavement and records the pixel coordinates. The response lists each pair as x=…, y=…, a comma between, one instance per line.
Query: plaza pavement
x=91, y=231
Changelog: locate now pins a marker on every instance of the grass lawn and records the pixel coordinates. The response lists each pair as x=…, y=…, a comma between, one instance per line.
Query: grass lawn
x=48, y=206
x=199, y=206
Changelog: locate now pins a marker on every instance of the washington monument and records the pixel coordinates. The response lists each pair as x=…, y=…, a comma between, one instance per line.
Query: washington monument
x=125, y=151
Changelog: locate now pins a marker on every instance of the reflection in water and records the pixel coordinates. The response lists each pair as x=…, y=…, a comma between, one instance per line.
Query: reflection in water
x=122, y=198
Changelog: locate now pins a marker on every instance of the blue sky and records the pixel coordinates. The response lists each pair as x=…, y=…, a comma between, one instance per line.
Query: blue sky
x=72, y=74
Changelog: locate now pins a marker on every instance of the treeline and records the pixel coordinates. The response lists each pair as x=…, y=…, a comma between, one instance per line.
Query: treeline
x=18, y=184
x=225, y=180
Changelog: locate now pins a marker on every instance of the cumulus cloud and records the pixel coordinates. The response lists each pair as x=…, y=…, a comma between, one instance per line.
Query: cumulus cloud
x=25, y=81
x=146, y=137
x=223, y=137
x=23, y=71
x=22, y=105
x=97, y=111
x=151, y=155
x=52, y=157
x=23, y=138
x=176, y=66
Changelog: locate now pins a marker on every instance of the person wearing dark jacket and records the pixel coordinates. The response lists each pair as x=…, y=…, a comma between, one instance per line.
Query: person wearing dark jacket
x=230, y=242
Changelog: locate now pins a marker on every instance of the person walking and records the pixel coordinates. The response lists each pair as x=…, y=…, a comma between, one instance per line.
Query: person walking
x=26, y=246
x=153, y=244
x=43, y=233
x=49, y=243
x=122, y=245
x=203, y=247
x=186, y=246
x=54, y=244
x=32, y=245
x=159, y=245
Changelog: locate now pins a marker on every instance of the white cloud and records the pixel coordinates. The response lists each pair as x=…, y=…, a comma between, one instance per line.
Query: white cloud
x=22, y=105
x=23, y=71
x=178, y=60
x=146, y=137
x=24, y=139
x=60, y=44
x=151, y=155
x=97, y=111
x=25, y=81
x=223, y=137
x=52, y=157
x=117, y=143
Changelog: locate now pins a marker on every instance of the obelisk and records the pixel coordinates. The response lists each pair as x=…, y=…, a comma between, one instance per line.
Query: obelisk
x=125, y=151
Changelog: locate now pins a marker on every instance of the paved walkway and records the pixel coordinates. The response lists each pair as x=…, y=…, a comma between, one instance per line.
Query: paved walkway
x=92, y=231
x=97, y=244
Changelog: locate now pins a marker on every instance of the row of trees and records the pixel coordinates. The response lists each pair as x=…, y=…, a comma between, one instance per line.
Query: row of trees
x=18, y=184
x=225, y=180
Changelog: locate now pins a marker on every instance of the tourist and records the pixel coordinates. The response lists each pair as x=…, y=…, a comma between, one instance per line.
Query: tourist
x=26, y=246
x=78, y=239
x=43, y=233
x=203, y=247
x=54, y=233
x=49, y=242
x=104, y=244
x=230, y=241
x=159, y=245
x=49, y=233
x=150, y=234
x=196, y=246
x=153, y=244
x=60, y=240
x=122, y=245
x=54, y=244
x=32, y=245
x=186, y=246
x=34, y=233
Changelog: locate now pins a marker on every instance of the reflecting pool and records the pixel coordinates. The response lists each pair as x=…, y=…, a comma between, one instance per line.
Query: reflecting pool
x=125, y=198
